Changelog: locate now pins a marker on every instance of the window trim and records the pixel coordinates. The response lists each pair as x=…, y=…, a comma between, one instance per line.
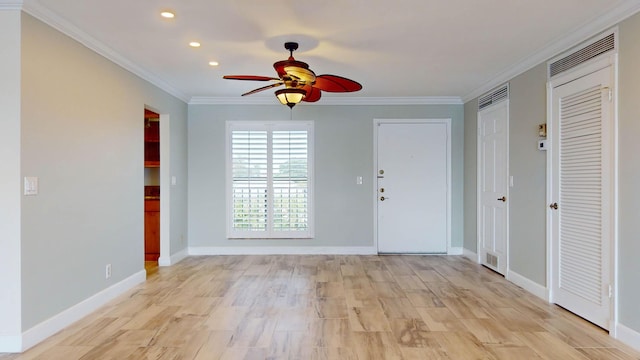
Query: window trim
x=269, y=126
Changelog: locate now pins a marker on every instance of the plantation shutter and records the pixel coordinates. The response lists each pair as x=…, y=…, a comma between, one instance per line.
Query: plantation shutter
x=249, y=187
x=270, y=180
x=290, y=180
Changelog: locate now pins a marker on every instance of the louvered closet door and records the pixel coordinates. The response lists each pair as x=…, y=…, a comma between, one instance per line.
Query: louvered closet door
x=581, y=186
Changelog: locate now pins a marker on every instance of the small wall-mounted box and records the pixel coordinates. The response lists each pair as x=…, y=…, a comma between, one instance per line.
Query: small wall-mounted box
x=542, y=145
x=542, y=130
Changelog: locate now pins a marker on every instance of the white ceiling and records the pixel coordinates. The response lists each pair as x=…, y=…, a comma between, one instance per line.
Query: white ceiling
x=402, y=48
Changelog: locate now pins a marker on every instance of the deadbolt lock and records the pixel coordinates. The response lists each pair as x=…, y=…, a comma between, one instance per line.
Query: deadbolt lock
x=381, y=190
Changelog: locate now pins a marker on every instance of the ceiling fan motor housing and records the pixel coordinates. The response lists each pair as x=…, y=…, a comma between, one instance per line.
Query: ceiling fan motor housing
x=291, y=46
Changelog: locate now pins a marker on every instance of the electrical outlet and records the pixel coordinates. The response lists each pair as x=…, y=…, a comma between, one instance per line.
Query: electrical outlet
x=107, y=273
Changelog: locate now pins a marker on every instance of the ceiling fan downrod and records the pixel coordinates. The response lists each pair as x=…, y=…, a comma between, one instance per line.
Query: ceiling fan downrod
x=291, y=46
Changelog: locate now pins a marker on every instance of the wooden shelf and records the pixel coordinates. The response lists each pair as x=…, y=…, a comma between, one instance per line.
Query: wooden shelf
x=151, y=142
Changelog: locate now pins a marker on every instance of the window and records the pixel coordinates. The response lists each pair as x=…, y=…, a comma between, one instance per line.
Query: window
x=269, y=179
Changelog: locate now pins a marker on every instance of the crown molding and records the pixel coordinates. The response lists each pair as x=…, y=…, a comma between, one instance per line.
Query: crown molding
x=10, y=4
x=426, y=100
x=573, y=38
x=36, y=10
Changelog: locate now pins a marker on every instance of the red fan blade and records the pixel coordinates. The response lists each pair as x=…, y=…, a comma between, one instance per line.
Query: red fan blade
x=249, y=77
x=313, y=94
x=335, y=83
x=263, y=88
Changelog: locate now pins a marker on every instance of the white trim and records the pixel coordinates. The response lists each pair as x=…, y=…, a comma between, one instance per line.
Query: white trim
x=173, y=259
x=573, y=38
x=447, y=121
x=628, y=336
x=165, y=188
x=58, y=322
x=527, y=284
x=471, y=255
x=10, y=5
x=615, y=268
x=282, y=250
x=10, y=344
x=45, y=15
x=416, y=100
x=458, y=250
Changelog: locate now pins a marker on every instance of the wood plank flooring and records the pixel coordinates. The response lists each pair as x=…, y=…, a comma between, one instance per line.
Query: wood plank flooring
x=328, y=307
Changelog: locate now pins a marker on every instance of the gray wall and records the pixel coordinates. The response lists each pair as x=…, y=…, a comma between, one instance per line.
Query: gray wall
x=343, y=150
x=10, y=187
x=528, y=166
x=629, y=174
x=82, y=136
x=470, y=174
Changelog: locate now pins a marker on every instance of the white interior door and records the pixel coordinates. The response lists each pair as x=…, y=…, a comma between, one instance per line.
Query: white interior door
x=581, y=186
x=413, y=187
x=493, y=187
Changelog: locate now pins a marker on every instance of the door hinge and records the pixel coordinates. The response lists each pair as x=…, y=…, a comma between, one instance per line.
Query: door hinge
x=609, y=92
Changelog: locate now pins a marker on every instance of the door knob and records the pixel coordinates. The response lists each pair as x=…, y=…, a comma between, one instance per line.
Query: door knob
x=503, y=199
x=554, y=206
x=382, y=198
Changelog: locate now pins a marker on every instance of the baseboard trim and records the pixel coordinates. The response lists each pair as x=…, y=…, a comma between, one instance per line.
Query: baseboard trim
x=10, y=344
x=58, y=322
x=527, y=284
x=283, y=250
x=628, y=336
x=470, y=255
x=173, y=259
x=455, y=251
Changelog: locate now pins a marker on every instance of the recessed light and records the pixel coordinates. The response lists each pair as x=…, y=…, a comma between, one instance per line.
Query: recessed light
x=167, y=14
x=194, y=44
x=213, y=63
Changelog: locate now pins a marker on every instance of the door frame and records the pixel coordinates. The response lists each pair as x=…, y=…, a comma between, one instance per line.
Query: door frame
x=592, y=66
x=376, y=124
x=479, y=167
x=165, y=191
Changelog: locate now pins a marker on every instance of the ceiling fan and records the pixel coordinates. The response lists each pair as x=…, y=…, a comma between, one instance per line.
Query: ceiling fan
x=300, y=82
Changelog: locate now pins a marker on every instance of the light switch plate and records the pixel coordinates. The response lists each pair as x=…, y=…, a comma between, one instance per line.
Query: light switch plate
x=31, y=185
x=358, y=180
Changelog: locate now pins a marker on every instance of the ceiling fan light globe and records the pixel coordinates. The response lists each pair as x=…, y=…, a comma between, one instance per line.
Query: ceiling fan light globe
x=290, y=97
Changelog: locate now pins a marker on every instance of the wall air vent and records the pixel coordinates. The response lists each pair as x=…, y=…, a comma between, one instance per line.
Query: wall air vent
x=492, y=260
x=584, y=54
x=494, y=97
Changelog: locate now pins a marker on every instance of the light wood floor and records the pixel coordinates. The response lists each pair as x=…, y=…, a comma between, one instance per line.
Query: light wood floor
x=328, y=307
